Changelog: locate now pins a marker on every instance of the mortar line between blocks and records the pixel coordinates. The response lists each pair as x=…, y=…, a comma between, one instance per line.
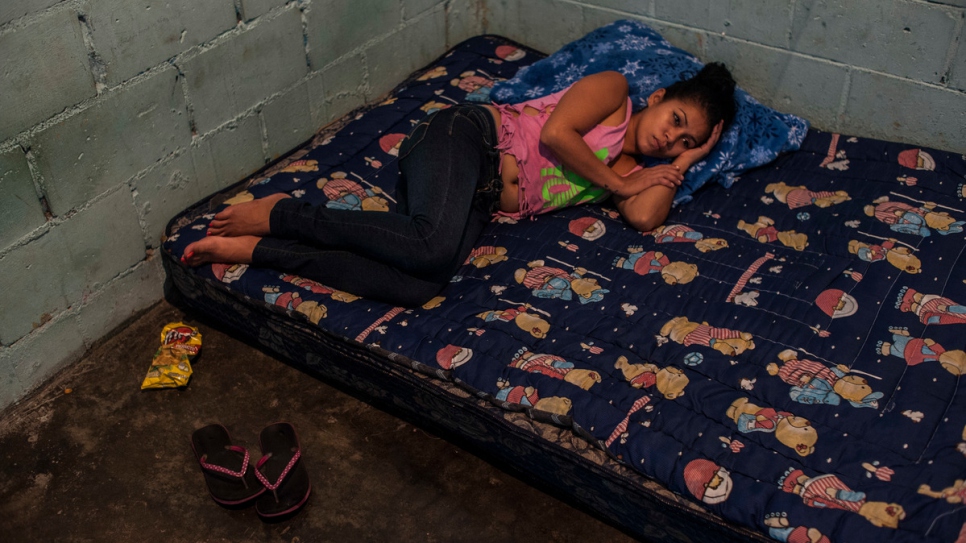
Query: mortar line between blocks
x=304, y=6
x=40, y=184
x=951, y=51
x=263, y=131
x=97, y=66
x=843, y=99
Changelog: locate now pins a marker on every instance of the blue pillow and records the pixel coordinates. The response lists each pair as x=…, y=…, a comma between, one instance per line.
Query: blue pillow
x=757, y=135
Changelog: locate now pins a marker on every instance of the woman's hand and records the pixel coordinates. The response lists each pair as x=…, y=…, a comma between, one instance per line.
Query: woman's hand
x=692, y=156
x=637, y=181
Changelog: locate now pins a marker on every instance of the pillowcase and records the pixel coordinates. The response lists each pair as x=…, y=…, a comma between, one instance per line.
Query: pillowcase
x=649, y=62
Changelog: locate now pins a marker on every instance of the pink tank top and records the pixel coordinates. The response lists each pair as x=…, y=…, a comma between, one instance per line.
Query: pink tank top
x=544, y=184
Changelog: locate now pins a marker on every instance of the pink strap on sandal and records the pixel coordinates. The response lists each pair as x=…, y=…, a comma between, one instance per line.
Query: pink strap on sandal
x=281, y=477
x=224, y=466
x=281, y=469
x=226, y=471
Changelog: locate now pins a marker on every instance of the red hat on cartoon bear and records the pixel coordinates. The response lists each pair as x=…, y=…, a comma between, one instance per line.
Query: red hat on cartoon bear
x=917, y=159
x=589, y=228
x=698, y=474
x=452, y=356
x=836, y=303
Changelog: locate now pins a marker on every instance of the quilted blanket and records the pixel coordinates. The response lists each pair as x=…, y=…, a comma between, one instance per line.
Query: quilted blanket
x=786, y=353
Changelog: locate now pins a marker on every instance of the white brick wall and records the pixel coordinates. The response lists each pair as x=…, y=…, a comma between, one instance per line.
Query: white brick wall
x=124, y=112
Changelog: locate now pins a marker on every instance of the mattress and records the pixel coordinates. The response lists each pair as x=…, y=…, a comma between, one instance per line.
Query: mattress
x=779, y=360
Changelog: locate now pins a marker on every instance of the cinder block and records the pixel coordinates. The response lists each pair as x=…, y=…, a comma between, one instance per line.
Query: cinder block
x=20, y=210
x=692, y=41
x=235, y=152
x=91, y=260
x=106, y=144
x=413, y=8
x=342, y=87
x=43, y=353
x=394, y=58
x=132, y=36
x=687, y=12
x=66, y=264
x=257, y=8
x=235, y=75
x=559, y=22
x=120, y=300
x=464, y=19
x=44, y=71
x=288, y=121
x=790, y=83
x=907, y=39
x=37, y=270
x=900, y=110
x=15, y=9
x=164, y=192
x=761, y=21
x=336, y=27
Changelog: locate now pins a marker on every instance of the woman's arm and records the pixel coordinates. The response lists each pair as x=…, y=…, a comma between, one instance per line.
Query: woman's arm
x=647, y=209
x=596, y=99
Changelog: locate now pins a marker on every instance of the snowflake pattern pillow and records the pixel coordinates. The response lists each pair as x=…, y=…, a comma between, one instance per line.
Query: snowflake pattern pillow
x=649, y=62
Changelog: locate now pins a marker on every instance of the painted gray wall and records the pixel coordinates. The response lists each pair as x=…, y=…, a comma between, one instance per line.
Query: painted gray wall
x=117, y=114
x=888, y=69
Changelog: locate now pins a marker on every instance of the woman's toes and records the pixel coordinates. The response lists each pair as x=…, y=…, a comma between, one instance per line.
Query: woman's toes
x=191, y=257
x=216, y=228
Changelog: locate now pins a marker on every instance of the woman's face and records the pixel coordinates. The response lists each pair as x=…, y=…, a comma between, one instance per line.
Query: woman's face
x=669, y=127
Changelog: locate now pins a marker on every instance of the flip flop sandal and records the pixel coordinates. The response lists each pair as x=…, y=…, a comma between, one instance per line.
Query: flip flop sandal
x=225, y=466
x=282, y=472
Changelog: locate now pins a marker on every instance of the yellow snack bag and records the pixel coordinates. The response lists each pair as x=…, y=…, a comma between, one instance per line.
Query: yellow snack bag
x=171, y=366
x=182, y=338
x=169, y=369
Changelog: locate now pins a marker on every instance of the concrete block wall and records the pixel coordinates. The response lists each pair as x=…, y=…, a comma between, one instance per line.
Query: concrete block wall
x=117, y=114
x=887, y=69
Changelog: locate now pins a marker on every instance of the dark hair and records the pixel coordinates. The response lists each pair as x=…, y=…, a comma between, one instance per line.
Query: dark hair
x=713, y=89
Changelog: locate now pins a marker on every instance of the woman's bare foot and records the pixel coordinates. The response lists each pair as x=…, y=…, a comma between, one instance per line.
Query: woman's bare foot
x=224, y=250
x=245, y=219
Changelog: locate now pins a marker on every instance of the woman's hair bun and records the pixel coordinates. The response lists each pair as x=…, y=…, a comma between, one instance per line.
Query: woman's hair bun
x=717, y=74
x=712, y=88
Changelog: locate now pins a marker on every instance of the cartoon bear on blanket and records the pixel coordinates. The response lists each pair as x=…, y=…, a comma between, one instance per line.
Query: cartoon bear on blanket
x=794, y=432
x=670, y=381
x=828, y=491
x=815, y=383
x=765, y=232
x=687, y=333
x=800, y=196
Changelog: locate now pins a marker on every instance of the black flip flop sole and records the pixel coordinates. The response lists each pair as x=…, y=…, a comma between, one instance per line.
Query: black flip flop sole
x=281, y=443
x=211, y=445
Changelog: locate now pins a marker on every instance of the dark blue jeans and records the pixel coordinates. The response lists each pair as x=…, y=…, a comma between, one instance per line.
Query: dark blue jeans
x=448, y=188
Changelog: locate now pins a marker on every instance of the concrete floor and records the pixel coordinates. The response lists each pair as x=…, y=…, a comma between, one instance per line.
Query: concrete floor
x=91, y=457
